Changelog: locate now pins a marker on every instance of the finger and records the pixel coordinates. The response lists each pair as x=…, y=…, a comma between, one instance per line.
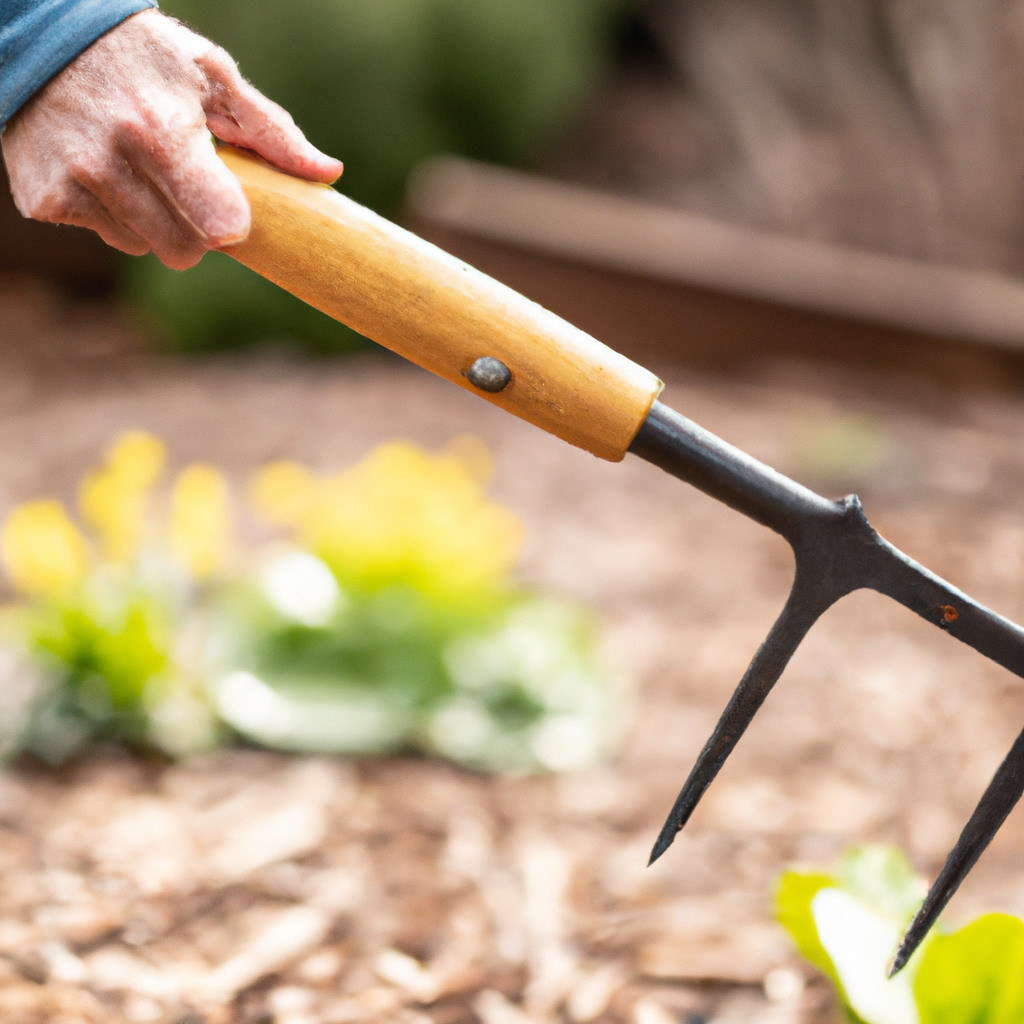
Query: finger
x=241, y=115
x=80, y=208
x=183, y=166
x=134, y=202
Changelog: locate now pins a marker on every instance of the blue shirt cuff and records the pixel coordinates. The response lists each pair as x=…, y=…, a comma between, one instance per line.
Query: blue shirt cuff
x=38, y=38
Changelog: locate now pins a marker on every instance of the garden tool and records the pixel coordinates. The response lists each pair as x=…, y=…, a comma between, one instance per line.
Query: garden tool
x=435, y=310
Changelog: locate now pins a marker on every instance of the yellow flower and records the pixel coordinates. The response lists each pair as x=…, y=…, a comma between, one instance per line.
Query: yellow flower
x=400, y=516
x=113, y=498
x=200, y=520
x=43, y=550
x=282, y=492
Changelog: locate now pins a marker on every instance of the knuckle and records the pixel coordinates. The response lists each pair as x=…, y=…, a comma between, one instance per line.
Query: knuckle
x=218, y=66
x=156, y=130
x=89, y=170
x=138, y=125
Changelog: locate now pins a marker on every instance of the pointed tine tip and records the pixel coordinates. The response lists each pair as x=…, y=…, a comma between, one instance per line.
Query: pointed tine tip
x=959, y=862
x=918, y=929
x=664, y=841
x=899, y=961
x=995, y=805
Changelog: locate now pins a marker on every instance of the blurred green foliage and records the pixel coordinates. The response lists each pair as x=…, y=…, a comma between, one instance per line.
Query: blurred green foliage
x=380, y=618
x=99, y=661
x=975, y=974
x=513, y=686
x=392, y=625
x=381, y=84
x=848, y=926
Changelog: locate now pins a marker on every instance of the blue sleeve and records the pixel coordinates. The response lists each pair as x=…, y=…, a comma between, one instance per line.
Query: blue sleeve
x=40, y=37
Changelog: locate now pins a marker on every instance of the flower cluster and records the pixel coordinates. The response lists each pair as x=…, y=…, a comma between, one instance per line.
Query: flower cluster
x=380, y=618
x=399, y=517
x=110, y=606
x=389, y=623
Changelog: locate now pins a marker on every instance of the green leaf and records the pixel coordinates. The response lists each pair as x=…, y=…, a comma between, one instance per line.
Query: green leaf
x=876, y=888
x=793, y=898
x=860, y=942
x=793, y=911
x=975, y=975
x=883, y=879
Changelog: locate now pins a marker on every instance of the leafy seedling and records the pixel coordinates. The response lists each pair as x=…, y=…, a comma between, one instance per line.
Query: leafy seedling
x=848, y=925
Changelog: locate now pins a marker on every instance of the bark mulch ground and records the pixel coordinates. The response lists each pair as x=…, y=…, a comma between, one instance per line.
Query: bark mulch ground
x=247, y=886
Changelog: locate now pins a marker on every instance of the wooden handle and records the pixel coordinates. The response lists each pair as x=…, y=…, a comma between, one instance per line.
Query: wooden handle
x=437, y=311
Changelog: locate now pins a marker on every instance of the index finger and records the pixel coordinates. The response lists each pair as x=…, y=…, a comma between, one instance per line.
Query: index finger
x=240, y=114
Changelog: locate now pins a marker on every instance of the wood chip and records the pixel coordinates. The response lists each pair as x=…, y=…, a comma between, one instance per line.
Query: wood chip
x=294, y=933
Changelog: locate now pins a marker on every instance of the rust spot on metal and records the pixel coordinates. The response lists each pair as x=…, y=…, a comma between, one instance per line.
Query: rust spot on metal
x=949, y=613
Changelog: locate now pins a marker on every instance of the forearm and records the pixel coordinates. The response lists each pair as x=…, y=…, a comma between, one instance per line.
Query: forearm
x=40, y=37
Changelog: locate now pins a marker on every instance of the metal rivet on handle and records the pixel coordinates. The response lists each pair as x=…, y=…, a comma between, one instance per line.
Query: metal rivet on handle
x=489, y=374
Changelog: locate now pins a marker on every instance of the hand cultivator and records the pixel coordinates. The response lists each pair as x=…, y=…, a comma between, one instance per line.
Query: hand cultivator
x=433, y=309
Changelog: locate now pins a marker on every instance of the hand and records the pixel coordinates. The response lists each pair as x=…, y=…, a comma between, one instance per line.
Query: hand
x=119, y=142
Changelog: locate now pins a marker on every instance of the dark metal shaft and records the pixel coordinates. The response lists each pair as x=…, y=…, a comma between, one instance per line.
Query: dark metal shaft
x=686, y=450
x=837, y=551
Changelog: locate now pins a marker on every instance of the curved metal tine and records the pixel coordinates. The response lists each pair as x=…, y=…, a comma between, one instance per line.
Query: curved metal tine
x=1000, y=798
x=803, y=608
x=997, y=638
x=931, y=597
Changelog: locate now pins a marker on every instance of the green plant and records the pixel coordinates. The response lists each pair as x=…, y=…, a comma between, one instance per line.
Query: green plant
x=381, y=618
x=848, y=925
x=105, y=610
x=389, y=622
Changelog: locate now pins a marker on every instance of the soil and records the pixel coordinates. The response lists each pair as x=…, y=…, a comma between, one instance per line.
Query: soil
x=249, y=886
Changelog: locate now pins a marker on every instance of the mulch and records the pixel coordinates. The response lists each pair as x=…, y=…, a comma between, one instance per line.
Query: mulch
x=250, y=886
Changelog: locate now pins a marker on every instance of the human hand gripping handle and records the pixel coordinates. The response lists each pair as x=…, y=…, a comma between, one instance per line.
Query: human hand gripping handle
x=436, y=311
x=119, y=141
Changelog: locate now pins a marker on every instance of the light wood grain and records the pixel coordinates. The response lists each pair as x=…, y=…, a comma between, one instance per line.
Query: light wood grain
x=437, y=311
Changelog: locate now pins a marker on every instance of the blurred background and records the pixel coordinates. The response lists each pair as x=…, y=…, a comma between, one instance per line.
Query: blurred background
x=429, y=795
